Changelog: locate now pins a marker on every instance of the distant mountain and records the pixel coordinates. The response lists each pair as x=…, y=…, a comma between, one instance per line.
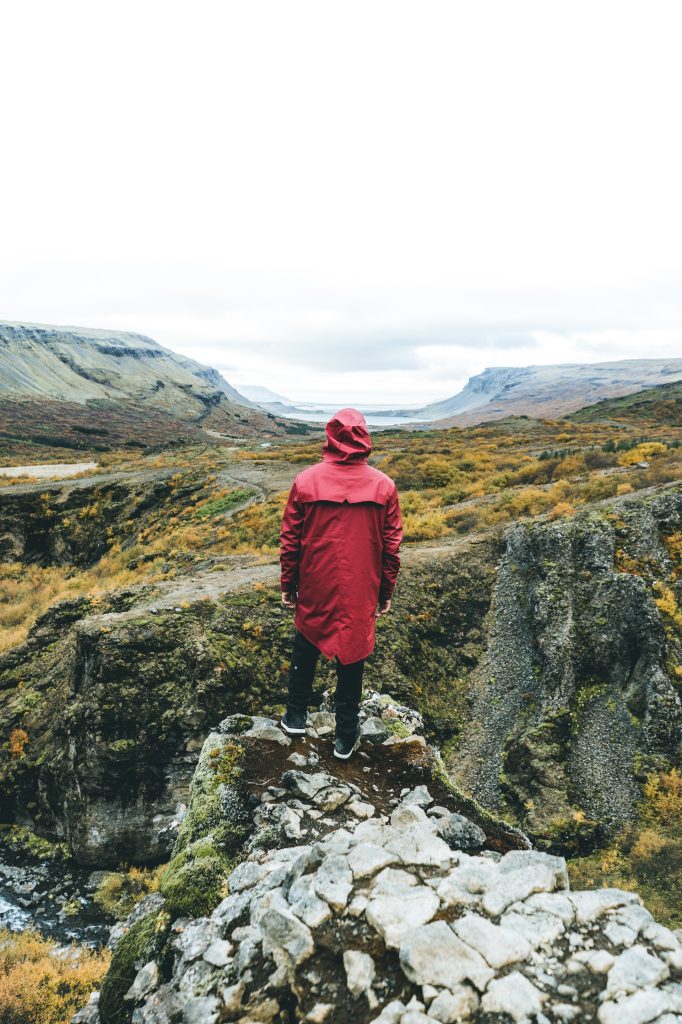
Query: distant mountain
x=76, y=364
x=661, y=404
x=117, y=387
x=546, y=391
x=264, y=396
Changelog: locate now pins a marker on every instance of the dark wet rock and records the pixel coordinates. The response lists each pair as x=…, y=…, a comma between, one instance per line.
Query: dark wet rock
x=460, y=833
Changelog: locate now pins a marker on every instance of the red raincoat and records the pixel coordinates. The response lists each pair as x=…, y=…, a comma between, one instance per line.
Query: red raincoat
x=340, y=542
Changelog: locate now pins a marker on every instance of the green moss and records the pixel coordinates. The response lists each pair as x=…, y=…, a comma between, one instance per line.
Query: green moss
x=397, y=728
x=225, y=504
x=226, y=763
x=212, y=833
x=142, y=943
x=196, y=880
x=20, y=840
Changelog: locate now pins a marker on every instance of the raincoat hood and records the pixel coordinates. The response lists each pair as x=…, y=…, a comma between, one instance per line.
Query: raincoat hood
x=348, y=439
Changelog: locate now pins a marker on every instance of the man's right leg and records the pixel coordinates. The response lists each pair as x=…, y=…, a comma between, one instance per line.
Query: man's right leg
x=301, y=674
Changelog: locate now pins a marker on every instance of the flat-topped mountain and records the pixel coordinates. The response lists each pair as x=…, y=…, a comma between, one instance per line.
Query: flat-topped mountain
x=76, y=364
x=547, y=391
x=73, y=383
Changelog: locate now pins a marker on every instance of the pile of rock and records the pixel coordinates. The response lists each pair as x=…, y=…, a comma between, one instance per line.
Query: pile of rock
x=383, y=920
x=359, y=901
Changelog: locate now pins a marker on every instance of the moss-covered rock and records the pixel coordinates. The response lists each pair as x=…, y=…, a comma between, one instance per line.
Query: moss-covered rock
x=212, y=833
x=143, y=942
x=575, y=687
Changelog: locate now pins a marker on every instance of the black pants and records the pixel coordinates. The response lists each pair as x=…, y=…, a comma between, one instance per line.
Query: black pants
x=348, y=685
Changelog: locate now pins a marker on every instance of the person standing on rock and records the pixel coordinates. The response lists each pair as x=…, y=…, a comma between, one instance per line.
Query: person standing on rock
x=339, y=554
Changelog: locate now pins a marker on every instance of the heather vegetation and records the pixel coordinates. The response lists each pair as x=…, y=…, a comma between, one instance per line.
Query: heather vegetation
x=452, y=482
x=43, y=984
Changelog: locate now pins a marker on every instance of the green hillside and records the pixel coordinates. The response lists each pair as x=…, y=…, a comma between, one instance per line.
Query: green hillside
x=662, y=405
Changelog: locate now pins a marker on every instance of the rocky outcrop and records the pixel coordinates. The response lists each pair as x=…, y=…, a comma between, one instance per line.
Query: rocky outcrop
x=117, y=697
x=363, y=894
x=576, y=696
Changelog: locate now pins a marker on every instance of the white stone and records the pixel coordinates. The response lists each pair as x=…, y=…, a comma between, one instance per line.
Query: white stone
x=392, y=881
x=599, y=961
x=518, y=885
x=640, y=1008
x=358, y=905
x=556, y=903
x=514, y=995
x=660, y=936
x=319, y=1013
x=634, y=969
x=434, y=955
x=218, y=953
x=590, y=904
x=362, y=809
x=498, y=945
x=454, y=1005
x=360, y=971
x=420, y=847
x=392, y=916
x=366, y=859
x=538, y=929
x=673, y=958
x=146, y=979
x=334, y=881
x=391, y=1013
x=312, y=910
x=245, y=875
x=283, y=930
x=619, y=934
x=418, y=797
x=409, y=816
x=566, y=1011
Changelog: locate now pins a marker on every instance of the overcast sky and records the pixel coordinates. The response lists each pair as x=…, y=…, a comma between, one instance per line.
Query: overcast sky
x=356, y=201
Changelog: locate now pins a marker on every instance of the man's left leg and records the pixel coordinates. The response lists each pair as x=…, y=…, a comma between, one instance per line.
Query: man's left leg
x=347, y=706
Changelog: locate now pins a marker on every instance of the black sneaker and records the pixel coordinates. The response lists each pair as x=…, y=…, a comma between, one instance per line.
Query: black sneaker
x=345, y=745
x=293, y=722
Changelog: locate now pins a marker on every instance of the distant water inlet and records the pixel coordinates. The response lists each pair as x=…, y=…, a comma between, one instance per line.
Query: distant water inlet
x=57, y=470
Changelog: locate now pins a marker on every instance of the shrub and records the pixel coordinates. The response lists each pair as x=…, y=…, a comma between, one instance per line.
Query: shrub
x=642, y=453
x=119, y=891
x=41, y=983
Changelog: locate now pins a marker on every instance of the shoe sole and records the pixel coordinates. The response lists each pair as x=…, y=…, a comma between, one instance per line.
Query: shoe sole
x=292, y=732
x=344, y=757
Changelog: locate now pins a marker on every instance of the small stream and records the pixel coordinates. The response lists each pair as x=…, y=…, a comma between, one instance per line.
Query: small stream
x=53, y=897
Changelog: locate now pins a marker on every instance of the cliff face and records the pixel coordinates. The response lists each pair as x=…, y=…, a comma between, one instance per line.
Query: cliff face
x=577, y=695
x=76, y=523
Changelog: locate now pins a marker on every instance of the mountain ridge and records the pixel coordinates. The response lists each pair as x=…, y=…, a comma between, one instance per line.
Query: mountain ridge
x=64, y=382
x=545, y=390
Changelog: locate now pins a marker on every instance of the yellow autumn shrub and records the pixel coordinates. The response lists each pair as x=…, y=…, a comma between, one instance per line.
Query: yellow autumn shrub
x=42, y=983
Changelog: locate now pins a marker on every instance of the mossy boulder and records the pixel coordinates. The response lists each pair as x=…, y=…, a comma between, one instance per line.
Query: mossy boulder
x=144, y=941
x=215, y=828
